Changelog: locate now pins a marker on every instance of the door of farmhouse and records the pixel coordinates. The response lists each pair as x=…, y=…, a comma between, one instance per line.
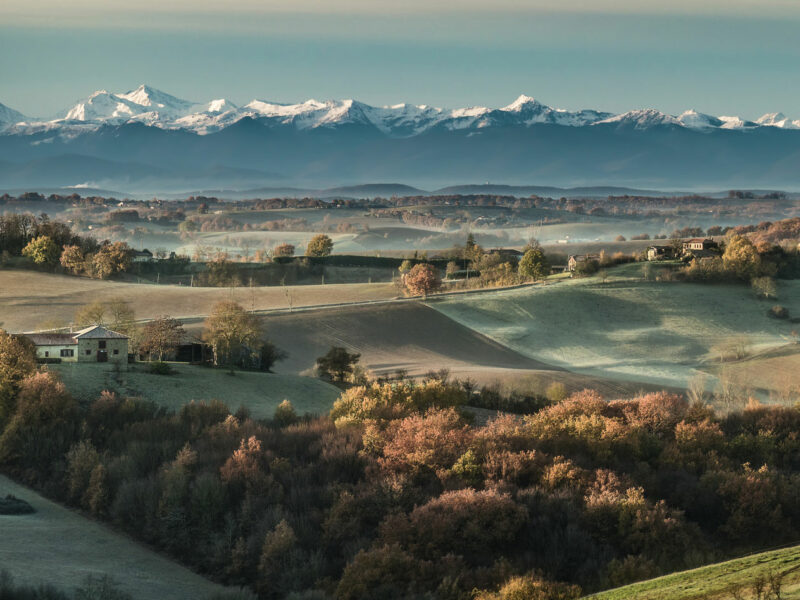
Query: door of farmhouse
x=102, y=356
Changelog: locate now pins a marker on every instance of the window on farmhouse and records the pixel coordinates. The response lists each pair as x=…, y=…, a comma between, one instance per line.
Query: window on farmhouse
x=66, y=352
x=88, y=352
x=101, y=344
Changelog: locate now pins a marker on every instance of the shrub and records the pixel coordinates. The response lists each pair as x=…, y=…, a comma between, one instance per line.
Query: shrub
x=160, y=368
x=778, y=312
x=532, y=587
x=765, y=287
x=285, y=414
x=11, y=505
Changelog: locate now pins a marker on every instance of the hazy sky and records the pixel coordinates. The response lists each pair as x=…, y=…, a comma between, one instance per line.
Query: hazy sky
x=724, y=57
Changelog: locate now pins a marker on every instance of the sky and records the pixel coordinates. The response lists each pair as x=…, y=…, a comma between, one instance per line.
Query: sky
x=725, y=57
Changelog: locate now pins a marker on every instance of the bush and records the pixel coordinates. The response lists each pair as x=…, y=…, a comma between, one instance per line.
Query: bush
x=778, y=312
x=11, y=505
x=160, y=368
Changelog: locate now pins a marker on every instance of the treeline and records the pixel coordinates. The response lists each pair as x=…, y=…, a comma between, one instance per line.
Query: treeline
x=397, y=495
x=52, y=245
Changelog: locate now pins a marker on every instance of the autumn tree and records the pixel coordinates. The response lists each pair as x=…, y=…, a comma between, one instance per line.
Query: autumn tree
x=73, y=259
x=42, y=250
x=93, y=313
x=338, y=363
x=17, y=361
x=161, y=336
x=741, y=257
x=116, y=313
x=43, y=427
x=405, y=266
x=112, y=258
x=319, y=245
x=533, y=264
x=422, y=279
x=231, y=331
x=283, y=250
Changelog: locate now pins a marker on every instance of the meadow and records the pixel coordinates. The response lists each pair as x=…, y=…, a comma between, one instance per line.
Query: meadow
x=717, y=581
x=259, y=393
x=625, y=327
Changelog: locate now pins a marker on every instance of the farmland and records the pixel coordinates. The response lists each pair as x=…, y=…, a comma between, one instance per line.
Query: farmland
x=30, y=299
x=625, y=327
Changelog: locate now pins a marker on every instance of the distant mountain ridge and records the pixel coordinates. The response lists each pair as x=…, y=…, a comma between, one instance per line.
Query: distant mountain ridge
x=153, y=107
x=146, y=140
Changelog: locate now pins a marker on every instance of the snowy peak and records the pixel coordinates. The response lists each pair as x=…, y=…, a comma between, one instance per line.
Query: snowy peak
x=697, y=120
x=145, y=95
x=143, y=103
x=523, y=103
x=777, y=120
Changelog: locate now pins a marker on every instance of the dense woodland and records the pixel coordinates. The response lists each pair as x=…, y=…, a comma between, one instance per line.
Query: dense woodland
x=398, y=494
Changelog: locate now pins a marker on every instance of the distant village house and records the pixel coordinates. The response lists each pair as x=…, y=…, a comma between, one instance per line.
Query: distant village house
x=699, y=244
x=576, y=260
x=93, y=344
x=142, y=255
x=660, y=253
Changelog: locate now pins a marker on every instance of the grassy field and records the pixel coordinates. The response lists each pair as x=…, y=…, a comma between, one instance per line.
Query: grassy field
x=715, y=582
x=258, y=392
x=626, y=328
x=58, y=546
x=418, y=339
x=30, y=299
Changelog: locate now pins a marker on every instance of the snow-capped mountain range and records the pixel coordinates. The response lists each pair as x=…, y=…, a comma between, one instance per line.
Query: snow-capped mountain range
x=146, y=140
x=155, y=108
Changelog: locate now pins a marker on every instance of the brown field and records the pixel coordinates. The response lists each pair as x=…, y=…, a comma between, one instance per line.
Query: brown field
x=418, y=339
x=30, y=299
x=58, y=546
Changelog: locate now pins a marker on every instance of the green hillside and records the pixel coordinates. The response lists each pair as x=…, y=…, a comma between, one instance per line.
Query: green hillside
x=718, y=581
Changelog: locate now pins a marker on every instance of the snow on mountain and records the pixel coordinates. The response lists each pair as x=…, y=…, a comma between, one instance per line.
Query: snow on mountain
x=697, y=120
x=156, y=108
x=778, y=120
x=642, y=119
x=9, y=116
x=736, y=123
x=532, y=111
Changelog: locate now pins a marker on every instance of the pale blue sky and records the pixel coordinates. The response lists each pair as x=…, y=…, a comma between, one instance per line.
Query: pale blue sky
x=733, y=57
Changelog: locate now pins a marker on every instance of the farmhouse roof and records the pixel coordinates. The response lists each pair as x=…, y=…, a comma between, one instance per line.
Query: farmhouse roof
x=698, y=240
x=52, y=339
x=99, y=332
